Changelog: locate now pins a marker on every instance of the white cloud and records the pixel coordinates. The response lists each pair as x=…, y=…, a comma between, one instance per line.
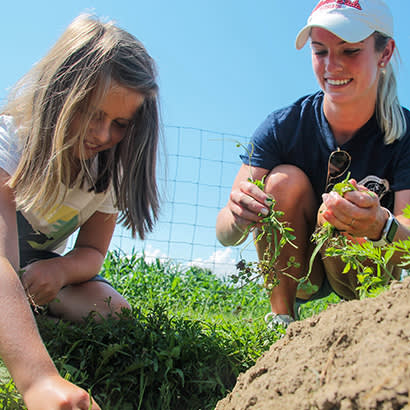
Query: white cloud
x=151, y=254
x=221, y=263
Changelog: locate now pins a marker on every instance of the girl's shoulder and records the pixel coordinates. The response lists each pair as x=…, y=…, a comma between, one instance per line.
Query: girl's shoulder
x=8, y=130
x=10, y=144
x=7, y=123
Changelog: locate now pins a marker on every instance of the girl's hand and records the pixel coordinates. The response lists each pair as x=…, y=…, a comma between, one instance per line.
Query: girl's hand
x=56, y=393
x=42, y=280
x=358, y=212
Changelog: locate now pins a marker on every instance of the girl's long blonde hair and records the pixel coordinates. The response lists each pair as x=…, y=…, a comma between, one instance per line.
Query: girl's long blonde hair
x=70, y=80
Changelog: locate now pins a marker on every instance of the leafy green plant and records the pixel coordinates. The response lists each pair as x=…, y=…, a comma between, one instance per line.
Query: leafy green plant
x=373, y=277
x=184, y=343
x=276, y=233
x=186, y=340
x=10, y=398
x=327, y=234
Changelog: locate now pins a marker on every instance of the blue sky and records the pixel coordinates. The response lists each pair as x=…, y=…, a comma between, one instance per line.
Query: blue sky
x=223, y=64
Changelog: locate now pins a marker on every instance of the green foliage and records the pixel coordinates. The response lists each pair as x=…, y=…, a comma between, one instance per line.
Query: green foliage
x=194, y=292
x=10, y=398
x=186, y=340
x=314, y=307
x=327, y=233
x=275, y=233
x=373, y=277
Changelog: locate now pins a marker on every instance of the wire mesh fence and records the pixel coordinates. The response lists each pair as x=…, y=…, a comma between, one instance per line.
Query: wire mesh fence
x=196, y=177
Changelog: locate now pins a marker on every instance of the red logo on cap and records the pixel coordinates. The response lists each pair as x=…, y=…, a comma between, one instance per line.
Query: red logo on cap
x=337, y=4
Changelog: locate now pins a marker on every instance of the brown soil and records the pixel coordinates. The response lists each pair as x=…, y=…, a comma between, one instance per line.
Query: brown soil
x=355, y=355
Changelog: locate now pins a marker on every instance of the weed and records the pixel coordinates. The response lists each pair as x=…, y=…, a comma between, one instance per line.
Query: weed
x=277, y=233
x=372, y=280
x=372, y=277
x=10, y=398
x=183, y=345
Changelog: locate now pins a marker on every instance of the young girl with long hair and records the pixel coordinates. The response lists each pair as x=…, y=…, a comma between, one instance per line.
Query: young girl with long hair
x=79, y=136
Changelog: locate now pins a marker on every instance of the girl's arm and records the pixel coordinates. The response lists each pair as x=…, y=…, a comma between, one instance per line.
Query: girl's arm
x=45, y=278
x=90, y=249
x=21, y=346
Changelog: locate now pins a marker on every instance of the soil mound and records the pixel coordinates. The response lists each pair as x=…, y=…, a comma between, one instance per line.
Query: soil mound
x=355, y=355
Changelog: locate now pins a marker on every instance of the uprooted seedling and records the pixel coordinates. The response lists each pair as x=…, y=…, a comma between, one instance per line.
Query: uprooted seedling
x=371, y=279
x=276, y=233
x=327, y=233
x=36, y=308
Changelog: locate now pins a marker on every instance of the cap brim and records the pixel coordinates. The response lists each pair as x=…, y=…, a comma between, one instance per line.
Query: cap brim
x=336, y=24
x=303, y=37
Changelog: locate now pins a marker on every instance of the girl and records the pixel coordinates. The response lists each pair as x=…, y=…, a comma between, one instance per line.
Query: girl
x=356, y=124
x=78, y=144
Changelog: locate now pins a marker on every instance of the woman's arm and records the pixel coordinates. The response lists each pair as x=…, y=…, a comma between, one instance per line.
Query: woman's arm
x=21, y=346
x=44, y=279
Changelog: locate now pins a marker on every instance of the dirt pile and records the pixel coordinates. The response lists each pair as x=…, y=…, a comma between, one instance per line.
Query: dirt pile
x=355, y=355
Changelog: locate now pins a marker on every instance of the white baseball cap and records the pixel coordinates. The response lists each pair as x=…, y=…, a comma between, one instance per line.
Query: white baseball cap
x=351, y=20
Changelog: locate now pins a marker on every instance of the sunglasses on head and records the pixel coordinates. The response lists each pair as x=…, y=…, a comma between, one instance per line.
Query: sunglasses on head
x=338, y=164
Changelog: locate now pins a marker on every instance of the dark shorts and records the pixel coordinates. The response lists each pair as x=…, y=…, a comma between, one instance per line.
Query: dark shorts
x=29, y=255
x=324, y=291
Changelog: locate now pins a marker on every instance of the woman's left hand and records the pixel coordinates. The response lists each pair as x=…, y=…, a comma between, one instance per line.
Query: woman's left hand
x=42, y=280
x=358, y=212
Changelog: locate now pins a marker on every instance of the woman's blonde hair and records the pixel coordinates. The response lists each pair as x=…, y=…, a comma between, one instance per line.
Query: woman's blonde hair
x=70, y=80
x=389, y=112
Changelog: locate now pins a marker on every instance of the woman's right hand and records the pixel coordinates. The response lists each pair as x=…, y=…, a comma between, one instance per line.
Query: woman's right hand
x=56, y=393
x=246, y=205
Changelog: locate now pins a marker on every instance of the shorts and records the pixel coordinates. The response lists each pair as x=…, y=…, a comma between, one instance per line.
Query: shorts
x=324, y=291
x=344, y=285
x=29, y=255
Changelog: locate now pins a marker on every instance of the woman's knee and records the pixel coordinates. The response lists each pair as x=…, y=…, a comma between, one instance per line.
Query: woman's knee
x=290, y=187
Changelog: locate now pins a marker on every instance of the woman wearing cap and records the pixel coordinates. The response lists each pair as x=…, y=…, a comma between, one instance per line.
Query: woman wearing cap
x=357, y=112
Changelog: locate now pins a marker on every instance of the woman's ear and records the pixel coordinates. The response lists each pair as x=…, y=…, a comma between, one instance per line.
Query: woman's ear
x=387, y=53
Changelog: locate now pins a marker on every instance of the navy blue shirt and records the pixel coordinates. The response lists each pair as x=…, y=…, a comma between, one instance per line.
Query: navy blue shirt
x=300, y=135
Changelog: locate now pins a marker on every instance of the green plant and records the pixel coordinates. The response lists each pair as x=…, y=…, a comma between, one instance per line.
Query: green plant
x=372, y=277
x=187, y=339
x=10, y=398
x=327, y=233
x=276, y=233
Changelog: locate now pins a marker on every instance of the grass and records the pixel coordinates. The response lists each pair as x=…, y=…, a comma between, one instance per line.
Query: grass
x=186, y=340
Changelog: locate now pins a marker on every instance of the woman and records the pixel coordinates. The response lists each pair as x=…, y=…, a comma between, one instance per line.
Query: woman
x=357, y=113
x=78, y=144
